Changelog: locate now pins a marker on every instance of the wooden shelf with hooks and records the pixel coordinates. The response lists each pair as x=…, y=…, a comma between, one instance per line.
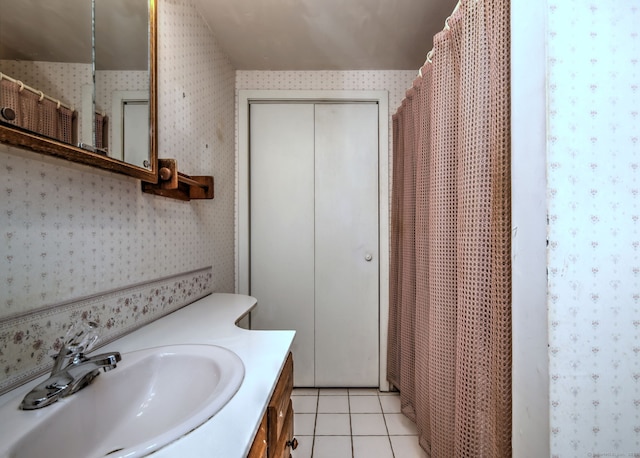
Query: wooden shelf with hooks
x=177, y=185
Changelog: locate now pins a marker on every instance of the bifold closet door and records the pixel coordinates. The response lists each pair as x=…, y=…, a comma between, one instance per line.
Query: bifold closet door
x=314, y=235
x=346, y=244
x=282, y=219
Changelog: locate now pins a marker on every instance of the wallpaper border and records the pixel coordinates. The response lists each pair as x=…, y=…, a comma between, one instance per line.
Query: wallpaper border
x=26, y=339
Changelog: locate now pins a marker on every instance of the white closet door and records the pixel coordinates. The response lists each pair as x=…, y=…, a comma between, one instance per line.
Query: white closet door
x=282, y=225
x=346, y=250
x=135, y=132
x=314, y=236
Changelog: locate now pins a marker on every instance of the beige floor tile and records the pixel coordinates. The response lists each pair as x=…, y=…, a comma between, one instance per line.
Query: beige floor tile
x=333, y=424
x=305, y=391
x=368, y=424
x=372, y=447
x=333, y=404
x=304, y=424
x=399, y=425
x=332, y=447
x=305, y=404
x=334, y=392
x=407, y=447
x=352, y=423
x=390, y=404
x=364, y=404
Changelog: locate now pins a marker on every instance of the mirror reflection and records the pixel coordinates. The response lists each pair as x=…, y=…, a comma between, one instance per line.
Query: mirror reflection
x=44, y=62
x=122, y=77
x=65, y=80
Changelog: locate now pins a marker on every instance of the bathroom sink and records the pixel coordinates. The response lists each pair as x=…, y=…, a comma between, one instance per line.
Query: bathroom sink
x=152, y=398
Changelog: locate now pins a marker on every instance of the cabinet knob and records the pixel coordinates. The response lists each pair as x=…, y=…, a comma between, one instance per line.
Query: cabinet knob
x=293, y=443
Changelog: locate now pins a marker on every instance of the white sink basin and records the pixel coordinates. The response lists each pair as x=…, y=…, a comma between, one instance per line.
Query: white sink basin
x=152, y=398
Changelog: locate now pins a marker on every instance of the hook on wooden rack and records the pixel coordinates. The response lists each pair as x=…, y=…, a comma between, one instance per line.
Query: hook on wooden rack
x=177, y=185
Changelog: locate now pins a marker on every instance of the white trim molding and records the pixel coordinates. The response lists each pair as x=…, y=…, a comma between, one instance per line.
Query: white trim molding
x=245, y=97
x=530, y=372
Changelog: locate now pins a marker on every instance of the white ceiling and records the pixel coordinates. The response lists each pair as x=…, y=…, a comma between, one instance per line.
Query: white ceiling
x=256, y=34
x=326, y=34
x=60, y=31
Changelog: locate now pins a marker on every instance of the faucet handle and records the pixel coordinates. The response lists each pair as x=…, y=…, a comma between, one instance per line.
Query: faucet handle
x=81, y=336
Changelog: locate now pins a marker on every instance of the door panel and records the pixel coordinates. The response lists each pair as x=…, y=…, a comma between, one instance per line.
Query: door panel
x=346, y=245
x=135, y=132
x=314, y=222
x=282, y=233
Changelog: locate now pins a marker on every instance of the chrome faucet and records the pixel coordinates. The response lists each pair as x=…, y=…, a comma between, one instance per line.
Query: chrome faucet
x=72, y=369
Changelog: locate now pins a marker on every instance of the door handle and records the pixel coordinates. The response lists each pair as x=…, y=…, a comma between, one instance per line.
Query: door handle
x=368, y=257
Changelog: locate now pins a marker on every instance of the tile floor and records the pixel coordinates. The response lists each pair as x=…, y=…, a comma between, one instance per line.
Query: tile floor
x=352, y=423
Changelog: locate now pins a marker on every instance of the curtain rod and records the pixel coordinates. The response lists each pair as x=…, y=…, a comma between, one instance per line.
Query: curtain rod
x=446, y=27
x=35, y=91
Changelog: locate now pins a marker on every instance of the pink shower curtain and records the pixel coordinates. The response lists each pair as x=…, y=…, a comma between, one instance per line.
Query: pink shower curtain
x=100, y=122
x=40, y=116
x=450, y=285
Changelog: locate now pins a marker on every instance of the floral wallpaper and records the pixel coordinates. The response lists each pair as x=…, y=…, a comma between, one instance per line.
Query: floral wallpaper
x=593, y=219
x=70, y=231
x=28, y=341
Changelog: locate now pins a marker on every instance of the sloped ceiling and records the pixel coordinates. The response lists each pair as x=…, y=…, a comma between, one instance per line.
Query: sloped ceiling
x=60, y=31
x=326, y=34
x=45, y=31
x=256, y=34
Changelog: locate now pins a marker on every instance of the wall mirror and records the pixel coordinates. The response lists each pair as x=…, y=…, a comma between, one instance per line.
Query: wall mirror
x=78, y=81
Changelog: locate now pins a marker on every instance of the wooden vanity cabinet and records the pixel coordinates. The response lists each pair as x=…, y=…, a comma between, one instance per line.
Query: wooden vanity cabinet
x=274, y=438
x=280, y=415
x=259, y=446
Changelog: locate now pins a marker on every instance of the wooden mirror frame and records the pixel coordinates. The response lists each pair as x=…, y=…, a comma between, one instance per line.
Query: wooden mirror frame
x=50, y=147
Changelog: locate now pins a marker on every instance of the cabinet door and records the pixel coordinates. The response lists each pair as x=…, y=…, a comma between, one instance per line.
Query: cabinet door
x=279, y=409
x=346, y=237
x=259, y=446
x=280, y=414
x=281, y=446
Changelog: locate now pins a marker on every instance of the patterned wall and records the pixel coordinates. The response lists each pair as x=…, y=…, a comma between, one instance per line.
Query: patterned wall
x=108, y=81
x=594, y=243
x=63, y=81
x=396, y=82
x=70, y=231
x=27, y=340
x=58, y=80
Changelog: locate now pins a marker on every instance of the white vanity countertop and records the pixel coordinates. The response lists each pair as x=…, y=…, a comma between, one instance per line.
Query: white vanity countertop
x=211, y=320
